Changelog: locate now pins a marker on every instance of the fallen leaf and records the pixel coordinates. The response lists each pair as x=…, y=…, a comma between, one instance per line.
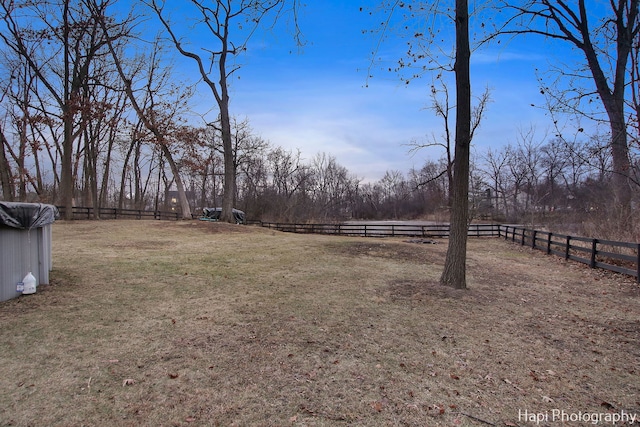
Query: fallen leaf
x=607, y=405
x=128, y=381
x=377, y=406
x=173, y=376
x=547, y=399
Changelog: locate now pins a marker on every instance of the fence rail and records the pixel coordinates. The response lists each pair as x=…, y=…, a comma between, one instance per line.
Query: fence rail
x=620, y=257
x=80, y=212
x=383, y=230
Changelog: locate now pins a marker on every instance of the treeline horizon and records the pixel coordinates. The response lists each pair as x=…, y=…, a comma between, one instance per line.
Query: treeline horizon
x=552, y=182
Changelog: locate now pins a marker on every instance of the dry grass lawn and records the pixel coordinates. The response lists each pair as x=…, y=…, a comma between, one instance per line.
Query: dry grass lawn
x=150, y=323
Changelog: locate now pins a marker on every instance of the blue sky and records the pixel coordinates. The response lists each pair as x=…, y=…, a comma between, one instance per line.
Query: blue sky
x=320, y=100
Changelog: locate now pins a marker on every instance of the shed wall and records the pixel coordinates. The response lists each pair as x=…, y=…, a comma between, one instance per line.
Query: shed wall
x=21, y=252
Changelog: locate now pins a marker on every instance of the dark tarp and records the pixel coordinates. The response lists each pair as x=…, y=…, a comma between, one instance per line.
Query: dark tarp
x=214, y=214
x=27, y=215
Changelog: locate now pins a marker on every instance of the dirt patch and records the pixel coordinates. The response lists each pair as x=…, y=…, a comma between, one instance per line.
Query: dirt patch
x=421, y=291
x=143, y=245
x=215, y=227
x=393, y=249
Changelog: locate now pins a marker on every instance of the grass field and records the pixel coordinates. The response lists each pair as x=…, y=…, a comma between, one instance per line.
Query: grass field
x=149, y=323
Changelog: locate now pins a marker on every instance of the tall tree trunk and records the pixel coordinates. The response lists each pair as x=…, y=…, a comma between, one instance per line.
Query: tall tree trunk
x=228, y=197
x=5, y=171
x=613, y=97
x=454, y=273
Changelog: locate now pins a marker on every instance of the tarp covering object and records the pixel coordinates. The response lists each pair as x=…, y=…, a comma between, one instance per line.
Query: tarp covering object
x=214, y=214
x=27, y=215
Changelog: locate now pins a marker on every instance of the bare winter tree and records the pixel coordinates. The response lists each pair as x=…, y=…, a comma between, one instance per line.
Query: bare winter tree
x=455, y=265
x=59, y=41
x=426, y=53
x=605, y=34
x=230, y=25
x=441, y=106
x=155, y=111
x=495, y=170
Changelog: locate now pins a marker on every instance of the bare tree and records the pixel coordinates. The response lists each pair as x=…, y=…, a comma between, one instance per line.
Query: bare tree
x=6, y=179
x=230, y=24
x=454, y=273
x=495, y=168
x=330, y=187
x=154, y=109
x=425, y=55
x=59, y=42
x=290, y=180
x=606, y=41
x=440, y=105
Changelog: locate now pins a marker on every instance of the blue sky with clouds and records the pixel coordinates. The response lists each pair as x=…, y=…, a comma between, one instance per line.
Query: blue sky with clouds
x=320, y=100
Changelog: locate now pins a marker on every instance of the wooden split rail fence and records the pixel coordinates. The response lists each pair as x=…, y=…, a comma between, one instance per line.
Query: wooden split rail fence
x=383, y=230
x=620, y=257
x=115, y=213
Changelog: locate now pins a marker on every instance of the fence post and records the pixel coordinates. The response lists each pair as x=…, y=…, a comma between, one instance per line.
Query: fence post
x=638, y=264
x=594, y=244
x=549, y=243
x=522, y=241
x=566, y=249
x=533, y=239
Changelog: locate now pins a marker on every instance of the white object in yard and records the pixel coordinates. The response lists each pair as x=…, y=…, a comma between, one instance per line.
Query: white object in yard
x=29, y=284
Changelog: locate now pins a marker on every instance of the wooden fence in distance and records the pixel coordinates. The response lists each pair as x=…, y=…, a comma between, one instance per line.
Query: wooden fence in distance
x=383, y=230
x=80, y=212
